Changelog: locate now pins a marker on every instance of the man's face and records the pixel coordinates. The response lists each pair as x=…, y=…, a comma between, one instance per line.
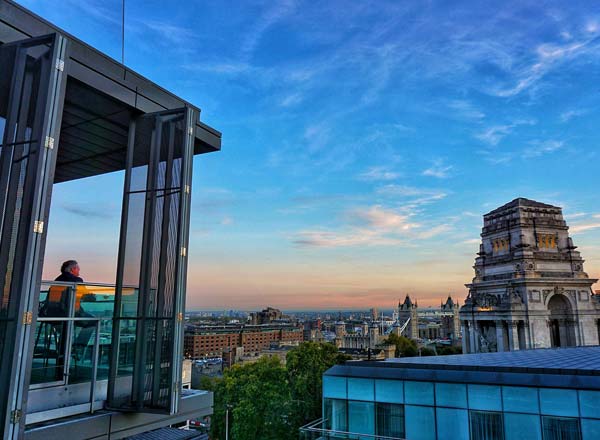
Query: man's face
x=75, y=270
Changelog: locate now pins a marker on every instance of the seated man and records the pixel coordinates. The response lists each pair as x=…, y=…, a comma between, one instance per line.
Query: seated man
x=69, y=272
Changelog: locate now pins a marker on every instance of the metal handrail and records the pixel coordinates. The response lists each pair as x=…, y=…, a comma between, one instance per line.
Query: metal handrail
x=69, y=336
x=311, y=427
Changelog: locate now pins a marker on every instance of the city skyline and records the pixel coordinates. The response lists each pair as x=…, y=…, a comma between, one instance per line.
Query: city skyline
x=358, y=158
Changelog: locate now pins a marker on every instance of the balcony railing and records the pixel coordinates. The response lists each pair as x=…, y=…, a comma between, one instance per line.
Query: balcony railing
x=72, y=343
x=317, y=431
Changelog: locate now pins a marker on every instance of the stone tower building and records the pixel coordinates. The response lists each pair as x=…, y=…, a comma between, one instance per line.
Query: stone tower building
x=408, y=310
x=450, y=320
x=529, y=290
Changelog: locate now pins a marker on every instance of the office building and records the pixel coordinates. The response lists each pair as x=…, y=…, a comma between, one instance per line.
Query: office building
x=91, y=361
x=545, y=394
x=246, y=340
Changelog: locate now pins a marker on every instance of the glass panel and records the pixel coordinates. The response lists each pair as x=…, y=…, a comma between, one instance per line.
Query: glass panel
x=561, y=428
x=48, y=361
x=50, y=339
x=361, y=389
x=590, y=429
x=30, y=94
x=420, y=393
x=521, y=399
x=152, y=257
x=82, y=352
x=589, y=404
x=335, y=411
x=451, y=394
x=361, y=417
x=334, y=386
x=522, y=427
x=420, y=422
x=390, y=420
x=452, y=424
x=557, y=402
x=485, y=397
x=486, y=425
x=389, y=391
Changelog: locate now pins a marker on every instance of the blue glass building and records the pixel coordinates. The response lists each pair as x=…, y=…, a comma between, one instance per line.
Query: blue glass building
x=547, y=394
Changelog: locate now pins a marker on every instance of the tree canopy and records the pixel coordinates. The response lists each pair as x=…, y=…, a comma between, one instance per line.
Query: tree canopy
x=269, y=401
x=405, y=347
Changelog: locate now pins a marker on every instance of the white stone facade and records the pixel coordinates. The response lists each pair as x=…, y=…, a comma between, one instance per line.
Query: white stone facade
x=529, y=289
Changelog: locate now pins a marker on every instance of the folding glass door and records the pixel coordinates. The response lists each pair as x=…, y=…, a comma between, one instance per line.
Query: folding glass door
x=32, y=84
x=151, y=272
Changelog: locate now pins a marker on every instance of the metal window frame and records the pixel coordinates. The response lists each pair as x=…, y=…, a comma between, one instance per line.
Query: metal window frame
x=180, y=266
x=29, y=253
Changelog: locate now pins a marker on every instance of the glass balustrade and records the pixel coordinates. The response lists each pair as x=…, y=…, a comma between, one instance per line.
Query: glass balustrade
x=317, y=430
x=73, y=335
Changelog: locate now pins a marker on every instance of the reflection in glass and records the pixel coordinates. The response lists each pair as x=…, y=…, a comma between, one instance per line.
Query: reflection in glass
x=561, y=428
x=335, y=414
x=486, y=425
x=361, y=417
x=390, y=419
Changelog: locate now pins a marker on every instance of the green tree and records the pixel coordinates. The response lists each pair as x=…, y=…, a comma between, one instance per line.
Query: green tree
x=426, y=351
x=305, y=367
x=258, y=398
x=404, y=347
x=449, y=350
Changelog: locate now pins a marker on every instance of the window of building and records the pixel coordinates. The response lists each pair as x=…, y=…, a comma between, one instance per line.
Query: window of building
x=522, y=427
x=561, y=428
x=452, y=424
x=335, y=414
x=420, y=422
x=521, y=399
x=485, y=397
x=361, y=417
x=390, y=420
x=486, y=425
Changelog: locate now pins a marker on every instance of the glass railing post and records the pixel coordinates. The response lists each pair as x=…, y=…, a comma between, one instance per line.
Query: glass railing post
x=68, y=337
x=95, y=366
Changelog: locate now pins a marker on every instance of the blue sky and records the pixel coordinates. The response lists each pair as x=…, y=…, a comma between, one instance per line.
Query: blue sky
x=362, y=141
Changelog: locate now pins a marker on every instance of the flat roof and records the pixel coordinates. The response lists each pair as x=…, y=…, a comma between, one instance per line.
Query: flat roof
x=102, y=96
x=576, y=367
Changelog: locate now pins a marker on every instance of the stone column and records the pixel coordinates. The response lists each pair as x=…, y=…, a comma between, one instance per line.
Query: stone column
x=500, y=336
x=563, y=331
x=513, y=336
x=465, y=336
x=473, y=344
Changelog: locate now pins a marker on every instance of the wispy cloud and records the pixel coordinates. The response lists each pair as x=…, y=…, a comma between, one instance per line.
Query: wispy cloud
x=538, y=148
x=416, y=195
x=439, y=169
x=379, y=173
x=466, y=109
x=87, y=211
x=583, y=227
x=548, y=56
x=494, y=134
x=276, y=12
x=566, y=116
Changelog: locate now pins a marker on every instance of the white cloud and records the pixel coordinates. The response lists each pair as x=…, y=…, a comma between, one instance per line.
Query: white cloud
x=419, y=195
x=439, y=169
x=379, y=173
x=291, y=100
x=378, y=218
x=494, y=134
x=548, y=57
x=539, y=148
x=583, y=227
x=570, y=114
x=466, y=109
